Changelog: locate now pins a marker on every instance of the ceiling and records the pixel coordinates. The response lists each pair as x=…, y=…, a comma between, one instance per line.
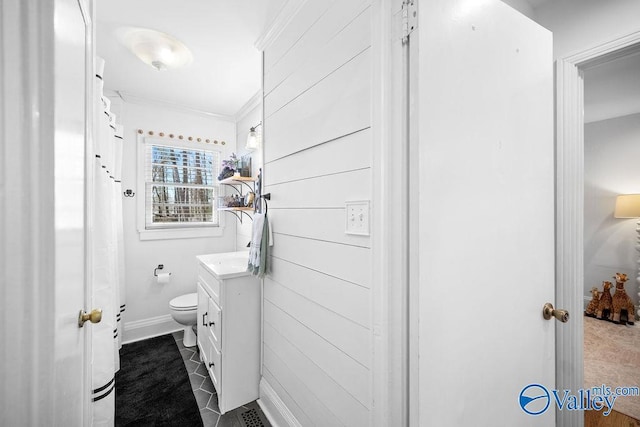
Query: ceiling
x=225, y=72
x=612, y=89
x=537, y=3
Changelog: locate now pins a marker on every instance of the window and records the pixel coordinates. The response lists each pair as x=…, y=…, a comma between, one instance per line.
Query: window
x=180, y=189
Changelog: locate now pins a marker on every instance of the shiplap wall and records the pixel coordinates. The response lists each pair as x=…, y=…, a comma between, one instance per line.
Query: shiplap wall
x=317, y=300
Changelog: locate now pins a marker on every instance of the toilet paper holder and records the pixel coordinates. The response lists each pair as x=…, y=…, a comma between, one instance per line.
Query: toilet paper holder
x=159, y=267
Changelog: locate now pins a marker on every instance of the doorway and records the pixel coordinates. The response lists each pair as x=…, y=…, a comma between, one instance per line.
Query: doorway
x=612, y=127
x=570, y=206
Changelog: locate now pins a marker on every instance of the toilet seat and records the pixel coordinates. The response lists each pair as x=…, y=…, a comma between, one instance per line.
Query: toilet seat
x=185, y=302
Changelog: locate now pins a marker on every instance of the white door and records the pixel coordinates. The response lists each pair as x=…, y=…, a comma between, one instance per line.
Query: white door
x=486, y=215
x=71, y=380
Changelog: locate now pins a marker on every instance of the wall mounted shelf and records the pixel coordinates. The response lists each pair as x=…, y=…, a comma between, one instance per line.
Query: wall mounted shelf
x=236, y=182
x=238, y=212
x=237, y=179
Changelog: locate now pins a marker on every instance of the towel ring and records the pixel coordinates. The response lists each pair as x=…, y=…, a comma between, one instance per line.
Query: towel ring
x=263, y=199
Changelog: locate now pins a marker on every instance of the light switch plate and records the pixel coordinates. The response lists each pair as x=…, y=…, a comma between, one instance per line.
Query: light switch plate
x=357, y=217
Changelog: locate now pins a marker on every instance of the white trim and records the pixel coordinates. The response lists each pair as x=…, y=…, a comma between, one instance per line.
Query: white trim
x=389, y=222
x=138, y=330
x=570, y=211
x=181, y=233
x=413, y=296
x=110, y=93
x=274, y=408
x=252, y=103
x=88, y=10
x=135, y=99
x=605, y=52
x=569, y=235
x=284, y=17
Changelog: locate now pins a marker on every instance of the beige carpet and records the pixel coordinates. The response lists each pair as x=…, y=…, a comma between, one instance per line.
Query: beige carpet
x=612, y=358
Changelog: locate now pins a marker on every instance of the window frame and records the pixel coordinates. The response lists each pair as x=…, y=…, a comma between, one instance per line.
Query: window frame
x=175, y=230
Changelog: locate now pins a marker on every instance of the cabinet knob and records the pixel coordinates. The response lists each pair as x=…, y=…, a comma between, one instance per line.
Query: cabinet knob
x=212, y=323
x=211, y=364
x=203, y=322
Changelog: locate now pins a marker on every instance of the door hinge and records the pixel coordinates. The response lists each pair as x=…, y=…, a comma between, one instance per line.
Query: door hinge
x=409, y=18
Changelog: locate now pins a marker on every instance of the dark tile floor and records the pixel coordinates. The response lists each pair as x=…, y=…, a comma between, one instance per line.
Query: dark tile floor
x=249, y=415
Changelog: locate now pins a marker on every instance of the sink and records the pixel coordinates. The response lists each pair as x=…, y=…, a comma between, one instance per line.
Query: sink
x=227, y=264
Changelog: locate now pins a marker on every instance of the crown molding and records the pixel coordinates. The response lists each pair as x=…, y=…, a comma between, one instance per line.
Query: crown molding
x=135, y=99
x=252, y=103
x=286, y=14
x=111, y=93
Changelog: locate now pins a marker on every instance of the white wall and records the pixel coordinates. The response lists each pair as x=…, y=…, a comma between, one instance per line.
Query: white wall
x=581, y=24
x=244, y=123
x=317, y=337
x=612, y=89
x=611, y=168
x=147, y=311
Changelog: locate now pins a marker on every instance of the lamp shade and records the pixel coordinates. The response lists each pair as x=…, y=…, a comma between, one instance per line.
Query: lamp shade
x=627, y=206
x=252, y=139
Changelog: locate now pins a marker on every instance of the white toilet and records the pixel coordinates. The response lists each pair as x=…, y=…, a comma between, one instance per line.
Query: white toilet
x=184, y=311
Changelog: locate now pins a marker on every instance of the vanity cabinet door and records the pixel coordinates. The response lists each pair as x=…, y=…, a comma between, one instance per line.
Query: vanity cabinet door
x=213, y=366
x=203, y=314
x=214, y=321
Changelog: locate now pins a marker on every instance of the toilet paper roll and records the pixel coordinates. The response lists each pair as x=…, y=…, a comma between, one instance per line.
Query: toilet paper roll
x=164, y=278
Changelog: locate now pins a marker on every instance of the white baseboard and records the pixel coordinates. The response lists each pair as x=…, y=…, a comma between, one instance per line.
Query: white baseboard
x=138, y=330
x=274, y=408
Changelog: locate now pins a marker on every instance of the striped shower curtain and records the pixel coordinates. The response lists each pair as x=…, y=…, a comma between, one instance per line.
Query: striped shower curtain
x=107, y=255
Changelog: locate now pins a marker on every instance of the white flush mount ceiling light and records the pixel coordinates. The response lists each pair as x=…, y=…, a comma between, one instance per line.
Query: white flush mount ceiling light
x=157, y=49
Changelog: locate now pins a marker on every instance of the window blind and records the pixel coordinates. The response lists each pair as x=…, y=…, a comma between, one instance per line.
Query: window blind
x=180, y=186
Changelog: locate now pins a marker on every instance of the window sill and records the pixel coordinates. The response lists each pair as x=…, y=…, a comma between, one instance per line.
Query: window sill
x=181, y=233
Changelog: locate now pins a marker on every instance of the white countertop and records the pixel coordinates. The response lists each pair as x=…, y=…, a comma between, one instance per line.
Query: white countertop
x=226, y=265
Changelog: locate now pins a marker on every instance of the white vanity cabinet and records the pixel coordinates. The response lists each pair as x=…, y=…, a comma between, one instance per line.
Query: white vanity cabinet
x=229, y=328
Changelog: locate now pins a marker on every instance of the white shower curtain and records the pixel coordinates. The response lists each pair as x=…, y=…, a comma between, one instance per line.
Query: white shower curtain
x=119, y=236
x=107, y=255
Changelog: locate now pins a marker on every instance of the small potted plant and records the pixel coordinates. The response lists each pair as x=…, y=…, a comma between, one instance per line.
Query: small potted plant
x=229, y=167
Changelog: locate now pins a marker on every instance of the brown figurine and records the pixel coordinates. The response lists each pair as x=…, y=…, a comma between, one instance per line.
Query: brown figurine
x=605, y=305
x=592, y=308
x=622, y=302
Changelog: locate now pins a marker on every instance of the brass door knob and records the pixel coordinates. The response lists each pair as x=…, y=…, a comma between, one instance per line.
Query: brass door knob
x=94, y=317
x=548, y=311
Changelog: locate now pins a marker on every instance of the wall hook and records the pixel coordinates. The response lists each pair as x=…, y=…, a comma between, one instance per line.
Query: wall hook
x=129, y=193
